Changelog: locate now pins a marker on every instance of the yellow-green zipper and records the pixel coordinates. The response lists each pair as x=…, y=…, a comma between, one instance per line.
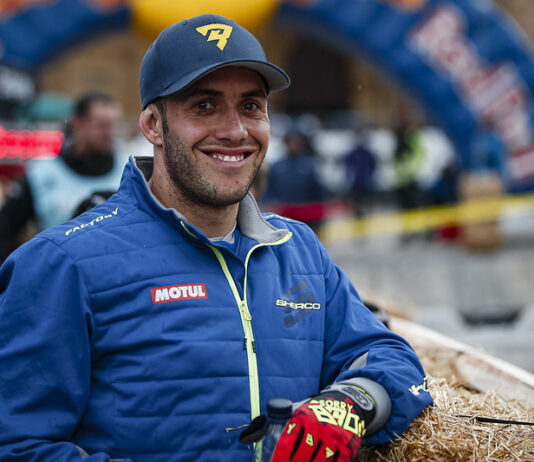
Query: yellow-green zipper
x=254, y=386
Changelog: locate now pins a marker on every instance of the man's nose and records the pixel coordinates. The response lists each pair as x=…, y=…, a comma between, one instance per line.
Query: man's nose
x=231, y=126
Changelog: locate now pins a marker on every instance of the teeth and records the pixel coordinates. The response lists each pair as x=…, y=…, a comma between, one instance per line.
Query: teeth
x=228, y=158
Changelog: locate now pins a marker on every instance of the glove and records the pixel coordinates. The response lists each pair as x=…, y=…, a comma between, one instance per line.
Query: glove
x=326, y=427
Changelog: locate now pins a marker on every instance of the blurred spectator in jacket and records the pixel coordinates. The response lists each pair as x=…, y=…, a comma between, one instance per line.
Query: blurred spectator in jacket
x=445, y=189
x=50, y=190
x=445, y=192
x=361, y=166
x=408, y=159
x=293, y=187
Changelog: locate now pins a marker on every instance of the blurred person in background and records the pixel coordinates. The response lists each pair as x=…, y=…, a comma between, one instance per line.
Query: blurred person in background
x=361, y=165
x=445, y=190
x=408, y=160
x=52, y=189
x=293, y=187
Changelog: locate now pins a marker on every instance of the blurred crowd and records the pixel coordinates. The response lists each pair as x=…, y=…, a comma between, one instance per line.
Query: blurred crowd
x=316, y=168
x=357, y=168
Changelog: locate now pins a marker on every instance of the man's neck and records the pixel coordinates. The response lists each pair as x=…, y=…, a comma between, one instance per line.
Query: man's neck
x=212, y=221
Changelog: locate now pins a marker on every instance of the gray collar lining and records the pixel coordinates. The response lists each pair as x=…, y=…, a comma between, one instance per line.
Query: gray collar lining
x=249, y=219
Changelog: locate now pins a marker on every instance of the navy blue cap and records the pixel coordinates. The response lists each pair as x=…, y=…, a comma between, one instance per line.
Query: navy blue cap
x=188, y=50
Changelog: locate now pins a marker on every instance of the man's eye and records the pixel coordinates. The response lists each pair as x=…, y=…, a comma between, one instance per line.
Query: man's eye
x=251, y=106
x=203, y=105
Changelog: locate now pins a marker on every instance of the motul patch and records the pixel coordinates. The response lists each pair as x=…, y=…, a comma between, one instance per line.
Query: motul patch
x=178, y=292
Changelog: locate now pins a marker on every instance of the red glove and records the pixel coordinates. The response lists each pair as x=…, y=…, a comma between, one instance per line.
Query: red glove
x=328, y=427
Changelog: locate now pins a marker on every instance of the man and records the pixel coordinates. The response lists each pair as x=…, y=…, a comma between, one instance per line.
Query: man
x=155, y=326
x=52, y=189
x=293, y=179
x=293, y=187
x=361, y=165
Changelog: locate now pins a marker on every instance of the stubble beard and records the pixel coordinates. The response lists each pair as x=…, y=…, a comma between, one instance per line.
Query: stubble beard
x=189, y=180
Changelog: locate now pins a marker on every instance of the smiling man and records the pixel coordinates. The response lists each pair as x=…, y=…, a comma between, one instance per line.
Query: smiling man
x=158, y=325
x=209, y=143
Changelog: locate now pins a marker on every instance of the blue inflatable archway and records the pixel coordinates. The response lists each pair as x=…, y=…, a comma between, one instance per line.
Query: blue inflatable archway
x=466, y=62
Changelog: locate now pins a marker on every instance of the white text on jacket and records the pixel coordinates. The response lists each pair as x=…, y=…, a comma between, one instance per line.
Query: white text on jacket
x=298, y=306
x=92, y=222
x=178, y=292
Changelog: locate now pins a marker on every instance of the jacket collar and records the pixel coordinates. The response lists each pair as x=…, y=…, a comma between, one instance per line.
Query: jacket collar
x=249, y=218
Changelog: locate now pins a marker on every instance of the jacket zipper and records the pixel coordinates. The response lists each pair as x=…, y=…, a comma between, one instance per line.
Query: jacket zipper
x=246, y=317
x=244, y=312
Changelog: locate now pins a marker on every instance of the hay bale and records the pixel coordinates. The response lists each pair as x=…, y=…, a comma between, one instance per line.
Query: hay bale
x=464, y=365
x=454, y=377
x=439, y=434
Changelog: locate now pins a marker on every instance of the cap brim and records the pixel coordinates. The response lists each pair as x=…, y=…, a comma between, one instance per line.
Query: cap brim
x=274, y=76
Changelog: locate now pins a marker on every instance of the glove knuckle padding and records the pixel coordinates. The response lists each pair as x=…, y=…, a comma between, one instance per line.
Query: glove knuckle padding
x=327, y=427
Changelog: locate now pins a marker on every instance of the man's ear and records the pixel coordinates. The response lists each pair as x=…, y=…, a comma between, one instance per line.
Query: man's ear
x=151, y=125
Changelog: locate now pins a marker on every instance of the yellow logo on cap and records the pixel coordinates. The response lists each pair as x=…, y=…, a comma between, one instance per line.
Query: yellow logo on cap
x=219, y=32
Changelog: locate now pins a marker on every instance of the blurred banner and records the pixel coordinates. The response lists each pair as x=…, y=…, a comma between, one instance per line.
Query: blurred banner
x=465, y=61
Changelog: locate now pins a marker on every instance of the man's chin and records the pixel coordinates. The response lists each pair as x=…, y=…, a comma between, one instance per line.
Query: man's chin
x=223, y=200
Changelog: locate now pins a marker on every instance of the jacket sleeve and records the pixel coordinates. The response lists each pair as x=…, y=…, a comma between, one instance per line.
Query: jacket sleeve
x=45, y=336
x=360, y=349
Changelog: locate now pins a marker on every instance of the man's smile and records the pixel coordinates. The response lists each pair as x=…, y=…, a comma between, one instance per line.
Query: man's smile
x=228, y=155
x=228, y=158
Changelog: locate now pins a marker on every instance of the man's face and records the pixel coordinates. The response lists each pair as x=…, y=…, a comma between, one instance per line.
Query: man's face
x=216, y=135
x=96, y=130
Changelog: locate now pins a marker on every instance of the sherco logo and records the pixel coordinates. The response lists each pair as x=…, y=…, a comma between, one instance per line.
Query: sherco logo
x=298, y=306
x=92, y=222
x=178, y=292
x=298, y=303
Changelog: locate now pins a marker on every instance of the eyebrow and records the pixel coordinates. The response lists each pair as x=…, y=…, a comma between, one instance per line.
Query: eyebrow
x=210, y=92
x=255, y=93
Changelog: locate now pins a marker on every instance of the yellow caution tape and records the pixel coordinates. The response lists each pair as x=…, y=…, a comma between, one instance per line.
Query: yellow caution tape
x=472, y=211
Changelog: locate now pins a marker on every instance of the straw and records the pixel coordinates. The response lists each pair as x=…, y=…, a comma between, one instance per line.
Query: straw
x=440, y=434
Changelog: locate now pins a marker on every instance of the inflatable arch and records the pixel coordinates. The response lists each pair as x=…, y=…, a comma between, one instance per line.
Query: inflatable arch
x=466, y=62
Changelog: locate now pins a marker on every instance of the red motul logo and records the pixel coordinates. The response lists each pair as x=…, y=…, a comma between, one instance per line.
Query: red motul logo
x=178, y=292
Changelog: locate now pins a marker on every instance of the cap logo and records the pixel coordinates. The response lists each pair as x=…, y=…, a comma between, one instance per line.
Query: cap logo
x=219, y=32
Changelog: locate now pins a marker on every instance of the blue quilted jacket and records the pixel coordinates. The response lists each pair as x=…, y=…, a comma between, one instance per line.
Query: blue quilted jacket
x=126, y=334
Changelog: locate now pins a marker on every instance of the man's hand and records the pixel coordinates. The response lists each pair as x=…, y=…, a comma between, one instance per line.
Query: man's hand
x=327, y=427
